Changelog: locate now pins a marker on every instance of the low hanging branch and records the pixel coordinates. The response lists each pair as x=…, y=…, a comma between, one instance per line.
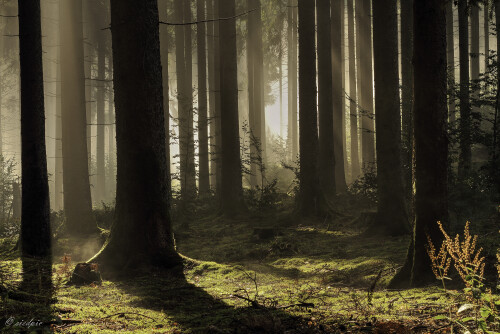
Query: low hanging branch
x=209, y=20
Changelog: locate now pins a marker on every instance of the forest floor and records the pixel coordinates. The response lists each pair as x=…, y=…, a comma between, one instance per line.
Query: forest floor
x=257, y=274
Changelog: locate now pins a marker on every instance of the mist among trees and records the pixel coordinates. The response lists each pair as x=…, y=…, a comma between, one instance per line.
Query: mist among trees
x=249, y=166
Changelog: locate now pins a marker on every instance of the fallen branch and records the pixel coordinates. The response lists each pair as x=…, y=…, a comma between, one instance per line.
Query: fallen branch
x=301, y=304
x=124, y=313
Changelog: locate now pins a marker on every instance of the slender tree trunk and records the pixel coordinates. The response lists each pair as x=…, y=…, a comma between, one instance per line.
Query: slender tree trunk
x=392, y=217
x=36, y=248
x=407, y=92
x=231, y=192
x=184, y=98
x=464, y=159
x=327, y=103
x=112, y=139
x=337, y=92
x=101, y=177
x=309, y=181
x=367, y=120
x=58, y=177
x=450, y=44
x=77, y=199
x=431, y=144
x=474, y=54
x=289, y=29
x=218, y=101
x=164, y=44
x=353, y=110
x=292, y=80
x=141, y=233
x=204, y=181
x=252, y=110
x=212, y=91
x=486, y=29
x=188, y=56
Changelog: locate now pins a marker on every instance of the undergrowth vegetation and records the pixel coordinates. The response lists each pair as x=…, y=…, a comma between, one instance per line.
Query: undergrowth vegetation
x=268, y=271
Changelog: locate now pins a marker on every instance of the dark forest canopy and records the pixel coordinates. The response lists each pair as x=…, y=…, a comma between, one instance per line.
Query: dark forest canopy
x=258, y=166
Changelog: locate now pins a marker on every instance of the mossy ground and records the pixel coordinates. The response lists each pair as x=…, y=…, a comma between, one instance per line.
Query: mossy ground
x=335, y=274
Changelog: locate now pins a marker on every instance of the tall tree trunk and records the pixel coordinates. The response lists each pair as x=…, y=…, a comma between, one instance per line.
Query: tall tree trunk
x=100, y=187
x=36, y=248
x=218, y=100
x=252, y=114
x=392, y=217
x=450, y=47
x=292, y=80
x=328, y=105
x=337, y=92
x=367, y=122
x=309, y=181
x=486, y=29
x=256, y=92
x=204, y=181
x=474, y=53
x=431, y=143
x=353, y=109
x=77, y=199
x=184, y=98
x=289, y=41
x=188, y=56
x=464, y=159
x=231, y=192
x=141, y=233
x=407, y=92
x=212, y=90
x=164, y=44
x=58, y=177
x=111, y=138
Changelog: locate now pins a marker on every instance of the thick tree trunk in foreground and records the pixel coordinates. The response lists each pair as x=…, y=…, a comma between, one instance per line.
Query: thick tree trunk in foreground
x=309, y=196
x=431, y=143
x=327, y=157
x=392, y=217
x=141, y=233
x=77, y=199
x=36, y=248
x=231, y=185
x=204, y=181
x=464, y=158
x=353, y=108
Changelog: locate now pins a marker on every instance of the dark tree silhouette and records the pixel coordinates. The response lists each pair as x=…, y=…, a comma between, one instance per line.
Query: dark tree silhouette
x=407, y=92
x=141, y=232
x=231, y=187
x=465, y=156
x=392, y=217
x=35, y=220
x=308, y=121
x=431, y=143
x=450, y=47
x=327, y=157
